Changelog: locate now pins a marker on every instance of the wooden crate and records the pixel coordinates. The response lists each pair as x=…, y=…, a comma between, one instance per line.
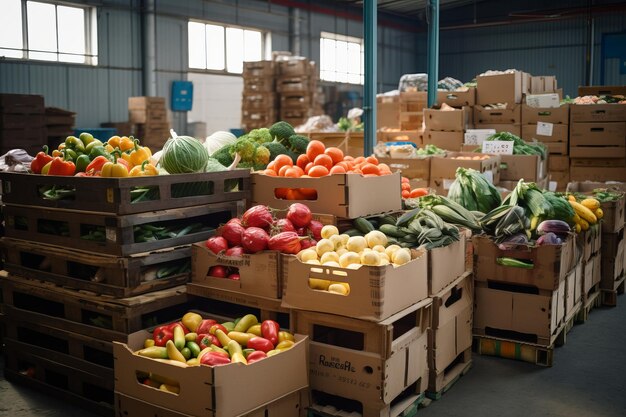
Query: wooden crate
x=440, y=382
x=108, y=275
x=116, y=195
x=100, y=317
x=21, y=104
x=115, y=235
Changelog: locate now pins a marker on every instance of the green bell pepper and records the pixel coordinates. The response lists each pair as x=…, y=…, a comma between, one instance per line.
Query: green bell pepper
x=81, y=162
x=86, y=138
x=75, y=144
x=93, y=144
x=97, y=151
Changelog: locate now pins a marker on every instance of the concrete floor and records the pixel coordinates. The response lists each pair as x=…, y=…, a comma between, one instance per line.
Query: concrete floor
x=588, y=379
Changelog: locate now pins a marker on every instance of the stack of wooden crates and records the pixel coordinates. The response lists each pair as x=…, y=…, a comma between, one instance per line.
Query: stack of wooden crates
x=149, y=115
x=22, y=123
x=91, y=269
x=259, y=105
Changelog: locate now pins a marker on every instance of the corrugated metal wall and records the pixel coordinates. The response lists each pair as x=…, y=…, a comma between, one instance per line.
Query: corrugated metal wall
x=546, y=48
x=99, y=94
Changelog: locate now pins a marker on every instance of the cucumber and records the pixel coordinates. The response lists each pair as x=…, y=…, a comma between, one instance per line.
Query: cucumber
x=363, y=225
x=352, y=232
x=409, y=239
x=386, y=219
x=391, y=230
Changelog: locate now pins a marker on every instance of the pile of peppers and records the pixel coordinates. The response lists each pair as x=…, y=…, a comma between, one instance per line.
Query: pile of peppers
x=86, y=156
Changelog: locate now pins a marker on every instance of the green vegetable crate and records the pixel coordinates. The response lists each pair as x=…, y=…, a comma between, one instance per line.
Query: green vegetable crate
x=122, y=235
x=125, y=195
x=106, y=275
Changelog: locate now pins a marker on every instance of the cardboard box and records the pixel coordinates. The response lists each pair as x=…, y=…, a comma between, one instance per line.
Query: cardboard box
x=589, y=241
x=397, y=135
x=351, y=143
x=457, y=98
x=529, y=167
x=257, y=69
x=601, y=90
x=365, y=361
x=445, y=265
x=558, y=163
x=509, y=313
x=551, y=100
x=411, y=120
x=446, y=167
x=448, y=120
x=595, y=174
x=376, y=292
x=560, y=134
x=614, y=211
x=557, y=115
x=259, y=272
x=204, y=388
x=143, y=103
x=499, y=127
x=411, y=168
x=503, y=88
x=388, y=112
x=259, y=85
x=451, y=330
x=557, y=148
x=561, y=178
x=550, y=263
x=591, y=275
x=451, y=141
x=342, y=195
x=295, y=66
x=573, y=284
x=259, y=101
x=617, y=153
x=542, y=84
x=598, y=134
x=612, y=268
x=597, y=113
x=511, y=115
x=281, y=407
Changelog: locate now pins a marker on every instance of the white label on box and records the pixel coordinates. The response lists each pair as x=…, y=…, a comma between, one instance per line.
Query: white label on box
x=498, y=147
x=544, y=129
x=543, y=100
x=110, y=234
x=477, y=136
x=447, y=184
x=488, y=176
x=552, y=186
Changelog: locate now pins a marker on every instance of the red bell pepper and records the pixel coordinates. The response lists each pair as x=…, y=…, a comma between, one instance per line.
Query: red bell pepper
x=205, y=326
x=162, y=334
x=40, y=160
x=269, y=330
x=59, y=166
x=205, y=340
x=260, y=343
x=97, y=164
x=214, y=359
x=178, y=323
x=257, y=355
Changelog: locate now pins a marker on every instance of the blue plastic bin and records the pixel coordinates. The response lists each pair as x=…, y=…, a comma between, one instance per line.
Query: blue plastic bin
x=102, y=133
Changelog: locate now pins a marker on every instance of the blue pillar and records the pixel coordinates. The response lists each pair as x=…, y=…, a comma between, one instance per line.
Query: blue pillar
x=433, y=51
x=370, y=30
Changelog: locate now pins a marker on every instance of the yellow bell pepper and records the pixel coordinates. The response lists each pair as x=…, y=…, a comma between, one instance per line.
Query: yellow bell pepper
x=144, y=170
x=138, y=155
x=114, y=141
x=115, y=168
x=127, y=143
x=109, y=148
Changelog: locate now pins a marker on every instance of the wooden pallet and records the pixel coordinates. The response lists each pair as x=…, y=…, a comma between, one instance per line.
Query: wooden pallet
x=86, y=390
x=114, y=195
x=109, y=275
x=609, y=297
x=405, y=405
x=441, y=383
x=70, y=229
x=542, y=355
x=590, y=301
x=97, y=316
x=234, y=304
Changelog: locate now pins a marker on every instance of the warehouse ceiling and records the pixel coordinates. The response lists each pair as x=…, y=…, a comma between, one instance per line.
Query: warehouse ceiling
x=410, y=8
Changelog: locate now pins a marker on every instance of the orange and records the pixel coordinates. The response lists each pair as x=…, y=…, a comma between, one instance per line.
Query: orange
x=348, y=158
x=338, y=169
x=271, y=165
x=314, y=148
x=269, y=172
x=406, y=186
x=308, y=167
x=281, y=161
x=302, y=161
x=405, y=194
x=359, y=160
x=336, y=154
x=281, y=193
x=318, y=171
x=292, y=172
x=282, y=170
x=404, y=179
x=294, y=194
x=372, y=160
x=370, y=169
x=324, y=160
x=308, y=193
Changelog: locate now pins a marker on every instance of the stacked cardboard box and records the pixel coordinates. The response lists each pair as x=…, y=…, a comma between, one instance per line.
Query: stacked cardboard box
x=22, y=122
x=387, y=112
x=259, y=101
x=149, y=115
x=443, y=169
x=59, y=125
x=446, y=128
x=412, y=105
x=297, y=87
x=502, y=119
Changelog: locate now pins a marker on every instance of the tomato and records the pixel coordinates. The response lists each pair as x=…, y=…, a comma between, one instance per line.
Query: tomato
x=318, y=171
x=324, y=160
x=281, y=193
x=255, y=356
x=281, y=161
x=284, y=225
x=337, y=169
x=308, y=243
x=269, y=172
x=205, y=340
x=285, y=242
x=235, y=251
x=314, y=148
x=406, y=186
x=294, y=194
x=234, y=276
x=302, y=161
x=283, y=170
x=308, y=167
x=260, y=343
x=232, y=232
x=216, y=244
x=335, y=154
x=359, y=160
x=299, y=214
x=370, y=169
x=254, y=239
x=405, y=179
x=293, y=172
x=308, y=193
x=372, y=160
x=205, y=326
x=257, y=216
x=315, y=229
x=269, y=330
x=218, y=271
x=406, y=193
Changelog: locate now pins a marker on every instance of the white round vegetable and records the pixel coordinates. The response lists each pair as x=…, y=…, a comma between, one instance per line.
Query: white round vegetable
x=217, y=140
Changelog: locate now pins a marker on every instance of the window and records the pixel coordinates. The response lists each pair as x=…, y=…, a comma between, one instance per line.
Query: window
x=48, y=32
x=224, y=48
x=341, y=58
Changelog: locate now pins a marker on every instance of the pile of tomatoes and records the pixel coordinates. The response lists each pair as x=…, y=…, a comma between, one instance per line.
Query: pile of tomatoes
x=407, y=192
x=320, y=161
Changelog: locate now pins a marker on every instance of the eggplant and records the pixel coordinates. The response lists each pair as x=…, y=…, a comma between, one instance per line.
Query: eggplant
x=549, y=239
x=558, y=227
x=511, y=242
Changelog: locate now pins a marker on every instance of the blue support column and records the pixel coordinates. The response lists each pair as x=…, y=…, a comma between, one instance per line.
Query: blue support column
x=433, y=50
x=370, y=30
